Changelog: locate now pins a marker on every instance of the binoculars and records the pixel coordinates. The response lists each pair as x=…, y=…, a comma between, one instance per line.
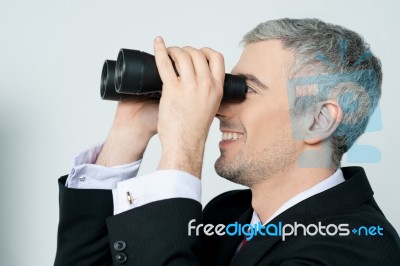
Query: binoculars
x=135, y=73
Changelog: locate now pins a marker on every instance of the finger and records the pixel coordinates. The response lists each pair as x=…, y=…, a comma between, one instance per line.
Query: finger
x=216, y=63
x=183, y=63
x=164, y=64
x=200, y=63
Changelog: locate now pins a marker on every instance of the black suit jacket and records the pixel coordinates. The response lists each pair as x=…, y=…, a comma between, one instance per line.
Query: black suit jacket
x=157, y=233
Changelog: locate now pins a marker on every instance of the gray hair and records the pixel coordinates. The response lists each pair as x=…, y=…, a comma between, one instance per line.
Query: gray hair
x=339, y=61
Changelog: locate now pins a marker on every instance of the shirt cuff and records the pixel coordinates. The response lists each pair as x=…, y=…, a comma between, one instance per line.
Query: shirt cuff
x=87, y=175
x=159, y=185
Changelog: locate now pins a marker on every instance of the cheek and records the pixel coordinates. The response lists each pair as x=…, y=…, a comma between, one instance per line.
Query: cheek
x=265, y=126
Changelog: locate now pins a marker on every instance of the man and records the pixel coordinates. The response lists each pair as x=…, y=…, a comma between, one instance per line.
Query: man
x=312, y=87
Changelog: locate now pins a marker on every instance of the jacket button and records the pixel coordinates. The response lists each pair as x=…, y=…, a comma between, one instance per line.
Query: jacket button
x=121, y=257
x=119, y=245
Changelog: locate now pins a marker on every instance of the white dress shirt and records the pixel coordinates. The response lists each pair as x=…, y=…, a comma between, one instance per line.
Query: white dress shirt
x=159, y=185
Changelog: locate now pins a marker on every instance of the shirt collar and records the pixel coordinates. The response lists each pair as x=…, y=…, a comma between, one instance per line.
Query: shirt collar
x=325, y=184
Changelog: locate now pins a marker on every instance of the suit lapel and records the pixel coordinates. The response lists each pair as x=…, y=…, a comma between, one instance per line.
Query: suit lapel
x=229, y=244
x=342, y=198
x=260, y=246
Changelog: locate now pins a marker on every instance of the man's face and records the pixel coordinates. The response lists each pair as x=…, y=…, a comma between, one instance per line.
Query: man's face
x=259, y=129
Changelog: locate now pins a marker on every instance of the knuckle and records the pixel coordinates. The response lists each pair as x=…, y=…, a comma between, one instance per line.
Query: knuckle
x=184, y=55
x=218, y=56
x=206, y=83
x=193, y=51
x=213, y=53
x=191, y=84
x=219, y=91
x=178, y=53
x=173, y=47
x=188, y=48
x=205, y=49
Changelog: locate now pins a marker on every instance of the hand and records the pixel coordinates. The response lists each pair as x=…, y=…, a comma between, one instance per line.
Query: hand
x=134, y=124
x=188, y=103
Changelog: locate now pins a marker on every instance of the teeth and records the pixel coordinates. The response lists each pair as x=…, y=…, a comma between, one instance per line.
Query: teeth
x=230, y=136
x=235, y=136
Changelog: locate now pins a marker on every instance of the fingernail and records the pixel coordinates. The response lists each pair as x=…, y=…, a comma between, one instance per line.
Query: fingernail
x=158, y=39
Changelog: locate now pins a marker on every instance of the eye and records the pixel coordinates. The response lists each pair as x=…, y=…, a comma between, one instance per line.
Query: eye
x=250, y=89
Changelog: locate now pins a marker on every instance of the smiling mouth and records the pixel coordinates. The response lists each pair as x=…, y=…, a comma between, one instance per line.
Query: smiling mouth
x=230, y=136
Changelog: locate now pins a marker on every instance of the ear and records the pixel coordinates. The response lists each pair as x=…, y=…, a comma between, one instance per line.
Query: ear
x=327, y=117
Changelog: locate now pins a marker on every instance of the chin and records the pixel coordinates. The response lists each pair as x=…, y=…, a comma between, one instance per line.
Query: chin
x=230, y=171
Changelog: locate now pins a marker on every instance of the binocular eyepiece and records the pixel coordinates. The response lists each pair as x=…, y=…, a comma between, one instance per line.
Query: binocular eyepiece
x=135, y=73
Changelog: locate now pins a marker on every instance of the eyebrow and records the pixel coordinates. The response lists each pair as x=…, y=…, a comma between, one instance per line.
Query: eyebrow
x=254, y=79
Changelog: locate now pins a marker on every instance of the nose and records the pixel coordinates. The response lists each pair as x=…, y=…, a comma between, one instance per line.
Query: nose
x=226, y=110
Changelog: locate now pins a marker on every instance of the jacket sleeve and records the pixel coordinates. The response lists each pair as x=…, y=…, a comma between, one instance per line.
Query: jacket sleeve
x=157, y=233
x=153, y=234
x=82, y=237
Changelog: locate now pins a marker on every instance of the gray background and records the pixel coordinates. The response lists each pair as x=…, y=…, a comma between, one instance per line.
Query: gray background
x=51, y=53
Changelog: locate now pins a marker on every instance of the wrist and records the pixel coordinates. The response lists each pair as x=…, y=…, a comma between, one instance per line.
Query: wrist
x=185, y=159
x=124, y=144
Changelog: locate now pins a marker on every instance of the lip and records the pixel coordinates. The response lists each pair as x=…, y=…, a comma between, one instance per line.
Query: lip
x=225, y=143
x=230, y=131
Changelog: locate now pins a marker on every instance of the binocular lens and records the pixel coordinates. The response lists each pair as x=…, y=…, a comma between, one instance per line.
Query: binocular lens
x=118, y=72
x=135, y=73
x=107, y=86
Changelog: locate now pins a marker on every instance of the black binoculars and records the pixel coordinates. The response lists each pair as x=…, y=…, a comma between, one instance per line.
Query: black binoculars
x=135, y=73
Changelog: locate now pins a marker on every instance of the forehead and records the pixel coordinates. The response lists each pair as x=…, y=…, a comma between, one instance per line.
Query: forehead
x=267, y=60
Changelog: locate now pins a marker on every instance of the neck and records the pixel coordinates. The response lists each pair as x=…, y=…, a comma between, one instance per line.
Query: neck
x=270, y=194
